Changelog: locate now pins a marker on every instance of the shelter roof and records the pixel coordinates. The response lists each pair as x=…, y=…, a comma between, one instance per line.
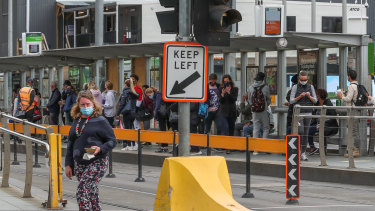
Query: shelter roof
x=87, y=55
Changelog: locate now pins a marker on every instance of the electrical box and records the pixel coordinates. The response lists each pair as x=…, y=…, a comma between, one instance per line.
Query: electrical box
x=32, y=43
x=269, y=20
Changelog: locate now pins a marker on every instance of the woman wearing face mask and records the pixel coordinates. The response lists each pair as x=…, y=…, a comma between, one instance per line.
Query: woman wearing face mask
x=69, y=102
x=148, y=105
x=89, y=130
x=228, y=98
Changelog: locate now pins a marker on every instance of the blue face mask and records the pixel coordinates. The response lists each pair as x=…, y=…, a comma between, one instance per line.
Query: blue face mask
x=151, y=97
x=87, y=111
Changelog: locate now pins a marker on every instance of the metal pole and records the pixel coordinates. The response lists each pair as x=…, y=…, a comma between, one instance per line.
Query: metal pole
x=313, y=15
x=174, y=144
x=281, y=91
x=344, y=17
x=184, y=108
x=343, y=59
x=248, y=194
x=322, y=153
x=140, y=178
x=61, y=78
x=10, y=53
x=99, y=18
x=244, y=63
x=75, y=30
x=227, y=63
x=322, y=73
x=120, y=75
x=15, y=161
x=27, y=15
x=6, y=138
x=36, y=164
x=10, y=27
x=208, y=145
x=23, y=78
x=262, y=61
x=117, y=22
x=110, y=173
x=211, y=63
x=350, y=144
x=6, y=92
x=32, y=72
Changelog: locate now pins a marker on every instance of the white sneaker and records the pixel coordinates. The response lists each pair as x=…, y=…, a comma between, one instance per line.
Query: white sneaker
x=255, y=153
x=134, y=148
x=125, y=148
x=196, y=153
x=304, y=157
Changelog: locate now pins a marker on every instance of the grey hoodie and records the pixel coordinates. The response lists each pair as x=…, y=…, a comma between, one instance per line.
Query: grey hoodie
x=265, y=90
x=109, y=107
x=97, y=95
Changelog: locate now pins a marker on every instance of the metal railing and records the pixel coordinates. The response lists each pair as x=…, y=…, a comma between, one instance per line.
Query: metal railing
x=323, y=117
x=51, y=151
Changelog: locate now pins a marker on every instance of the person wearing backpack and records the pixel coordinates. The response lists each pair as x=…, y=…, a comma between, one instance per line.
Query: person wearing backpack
x=303, y=94
x=355, y=96
x=259, y=98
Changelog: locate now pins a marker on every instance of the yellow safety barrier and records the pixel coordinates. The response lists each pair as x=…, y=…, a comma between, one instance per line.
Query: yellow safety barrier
x=222, y=142
x=55, y=194
x=195, y=183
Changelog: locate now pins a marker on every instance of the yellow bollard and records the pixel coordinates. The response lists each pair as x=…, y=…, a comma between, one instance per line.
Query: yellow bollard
x=59, y=166
x=195, y=183
x=53, y=196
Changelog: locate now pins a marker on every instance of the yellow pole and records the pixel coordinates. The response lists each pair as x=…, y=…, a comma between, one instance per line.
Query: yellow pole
x=53, y=181
x=59, y=165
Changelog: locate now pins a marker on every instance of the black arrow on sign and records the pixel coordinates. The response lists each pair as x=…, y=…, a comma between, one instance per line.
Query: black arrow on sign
x=178, y=88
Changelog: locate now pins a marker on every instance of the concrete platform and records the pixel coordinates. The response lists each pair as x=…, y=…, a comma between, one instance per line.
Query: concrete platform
x=267, y=164
x=11, y=199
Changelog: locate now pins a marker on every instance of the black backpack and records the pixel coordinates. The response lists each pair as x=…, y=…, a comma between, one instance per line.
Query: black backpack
x=362, y=96
x=258, y=101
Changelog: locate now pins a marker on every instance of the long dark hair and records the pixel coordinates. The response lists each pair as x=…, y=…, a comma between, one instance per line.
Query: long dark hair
x=230, y=80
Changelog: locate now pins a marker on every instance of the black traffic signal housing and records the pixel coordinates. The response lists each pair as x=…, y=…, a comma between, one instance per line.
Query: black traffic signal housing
x=212, y=21
x=168, y=20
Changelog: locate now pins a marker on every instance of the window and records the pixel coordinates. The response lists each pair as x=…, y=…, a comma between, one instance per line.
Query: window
x=332, y=24
x=291, y=23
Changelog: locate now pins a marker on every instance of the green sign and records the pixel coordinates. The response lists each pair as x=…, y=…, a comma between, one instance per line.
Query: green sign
x=371, y=58
x=33, y=37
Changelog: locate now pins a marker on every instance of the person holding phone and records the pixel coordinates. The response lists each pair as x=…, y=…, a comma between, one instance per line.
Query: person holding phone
x=91, y=137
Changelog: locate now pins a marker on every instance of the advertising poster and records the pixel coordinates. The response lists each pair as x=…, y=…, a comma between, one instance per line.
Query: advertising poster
x=251, y=72
x=272, y=21
x=271, y=78
x=308, y=61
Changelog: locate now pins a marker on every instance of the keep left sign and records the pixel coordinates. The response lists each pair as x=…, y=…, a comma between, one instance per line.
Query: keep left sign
x=185, y=72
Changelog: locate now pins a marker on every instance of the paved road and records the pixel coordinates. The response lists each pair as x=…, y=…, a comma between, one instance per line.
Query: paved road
x=122, y=193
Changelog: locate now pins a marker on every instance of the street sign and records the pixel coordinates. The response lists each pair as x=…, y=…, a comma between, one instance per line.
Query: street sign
x=293, y=175
x=185, y=72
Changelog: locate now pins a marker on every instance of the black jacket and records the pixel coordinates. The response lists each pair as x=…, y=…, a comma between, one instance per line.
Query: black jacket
x=97, y=132
x=53, y=103
x=128, y=97
x=330, y=112
x=228, y=102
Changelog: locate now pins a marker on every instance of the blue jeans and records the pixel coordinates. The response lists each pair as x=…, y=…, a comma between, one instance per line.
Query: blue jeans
x=220, y=123
x=248, y=130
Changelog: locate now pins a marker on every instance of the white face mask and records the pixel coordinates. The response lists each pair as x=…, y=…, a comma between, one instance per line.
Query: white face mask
x=303, y=82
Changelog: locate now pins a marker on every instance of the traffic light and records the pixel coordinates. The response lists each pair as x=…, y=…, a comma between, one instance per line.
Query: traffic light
x=168, y=20
x=213, y=21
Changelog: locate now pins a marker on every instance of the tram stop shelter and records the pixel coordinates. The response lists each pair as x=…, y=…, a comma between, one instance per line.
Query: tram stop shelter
x=55, y=60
